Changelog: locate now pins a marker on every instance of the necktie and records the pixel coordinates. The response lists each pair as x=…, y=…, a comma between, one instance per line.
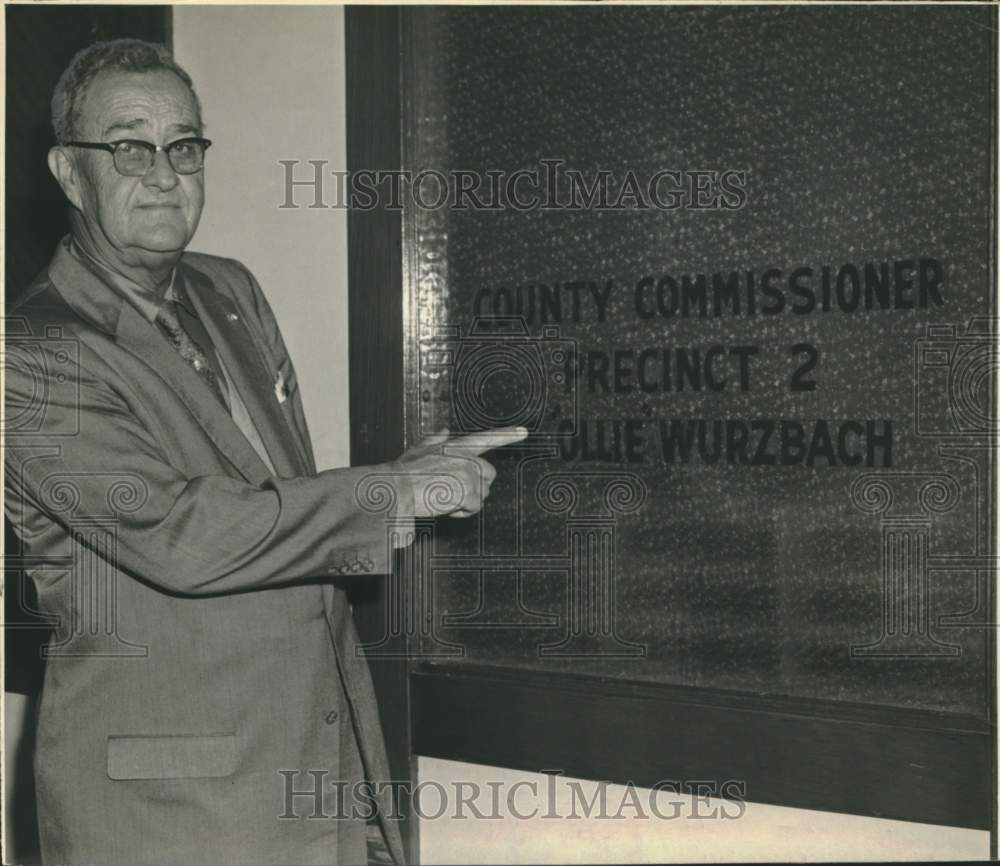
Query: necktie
x=188, y=349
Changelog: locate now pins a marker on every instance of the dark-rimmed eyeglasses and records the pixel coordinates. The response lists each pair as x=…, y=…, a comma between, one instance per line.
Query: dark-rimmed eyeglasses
x=133, y=158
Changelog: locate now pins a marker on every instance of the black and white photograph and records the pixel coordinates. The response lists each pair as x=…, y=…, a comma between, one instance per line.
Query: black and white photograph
x=499, y=433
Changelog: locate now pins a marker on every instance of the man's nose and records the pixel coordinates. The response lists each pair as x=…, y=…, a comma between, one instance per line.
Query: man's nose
x=161, y=174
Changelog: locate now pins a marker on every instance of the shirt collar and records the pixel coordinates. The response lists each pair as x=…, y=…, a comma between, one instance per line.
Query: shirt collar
x=146, y=301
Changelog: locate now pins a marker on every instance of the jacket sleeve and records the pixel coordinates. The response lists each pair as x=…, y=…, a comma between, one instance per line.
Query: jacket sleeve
x=403, y=493
x=85, y=457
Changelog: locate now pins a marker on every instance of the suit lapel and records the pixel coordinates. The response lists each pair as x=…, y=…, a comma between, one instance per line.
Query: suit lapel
x=98, y=303
x=249, y=371
x=143, y=340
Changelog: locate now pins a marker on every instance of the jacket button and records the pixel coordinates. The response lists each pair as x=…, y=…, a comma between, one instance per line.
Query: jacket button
x=332, y=717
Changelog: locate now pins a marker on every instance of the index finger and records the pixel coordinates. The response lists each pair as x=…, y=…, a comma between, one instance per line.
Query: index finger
x=486, y=440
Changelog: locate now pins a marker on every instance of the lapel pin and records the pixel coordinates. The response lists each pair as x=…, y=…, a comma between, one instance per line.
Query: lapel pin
x=280, y=391
x=232, y=317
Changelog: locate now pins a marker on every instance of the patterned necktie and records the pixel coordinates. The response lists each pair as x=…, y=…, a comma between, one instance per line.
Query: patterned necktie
x=168, y=319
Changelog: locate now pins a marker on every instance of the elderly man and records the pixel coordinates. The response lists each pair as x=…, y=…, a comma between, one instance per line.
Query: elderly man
x=159, y=471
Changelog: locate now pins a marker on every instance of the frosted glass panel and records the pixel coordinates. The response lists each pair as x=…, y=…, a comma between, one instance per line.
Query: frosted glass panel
x=756, y=354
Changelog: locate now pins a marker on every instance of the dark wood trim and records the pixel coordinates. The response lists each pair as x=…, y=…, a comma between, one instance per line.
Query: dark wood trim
x=375, y=322
x=992, y=673
x=374, y=237
x=885, y=762
x=168, y=27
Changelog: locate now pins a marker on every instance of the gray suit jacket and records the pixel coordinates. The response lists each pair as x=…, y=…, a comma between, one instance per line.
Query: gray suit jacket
x=202, y=669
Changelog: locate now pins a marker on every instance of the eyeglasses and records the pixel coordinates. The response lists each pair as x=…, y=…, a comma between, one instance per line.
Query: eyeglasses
x=133, y=158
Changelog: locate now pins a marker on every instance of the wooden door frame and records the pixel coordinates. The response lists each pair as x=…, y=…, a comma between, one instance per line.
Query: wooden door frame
x=375, y=328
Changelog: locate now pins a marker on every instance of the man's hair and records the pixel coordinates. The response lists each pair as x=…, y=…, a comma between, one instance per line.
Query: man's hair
x=118, y=55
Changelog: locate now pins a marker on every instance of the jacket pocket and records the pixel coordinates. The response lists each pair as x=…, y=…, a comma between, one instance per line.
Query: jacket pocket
x=179, y=756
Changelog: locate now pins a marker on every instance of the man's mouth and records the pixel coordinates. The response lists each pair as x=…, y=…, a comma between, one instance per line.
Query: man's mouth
x=157, y=206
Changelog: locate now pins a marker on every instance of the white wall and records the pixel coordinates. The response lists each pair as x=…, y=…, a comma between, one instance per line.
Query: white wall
x=271, y=82
x=687, y=832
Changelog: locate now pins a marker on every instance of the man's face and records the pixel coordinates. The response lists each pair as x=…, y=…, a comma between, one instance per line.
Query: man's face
x=141, y=218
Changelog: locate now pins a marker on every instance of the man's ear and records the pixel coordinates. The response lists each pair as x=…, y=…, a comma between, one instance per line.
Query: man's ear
x=65, y=171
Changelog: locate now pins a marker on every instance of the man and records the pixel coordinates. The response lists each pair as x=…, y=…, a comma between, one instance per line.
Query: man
x=160, y=473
